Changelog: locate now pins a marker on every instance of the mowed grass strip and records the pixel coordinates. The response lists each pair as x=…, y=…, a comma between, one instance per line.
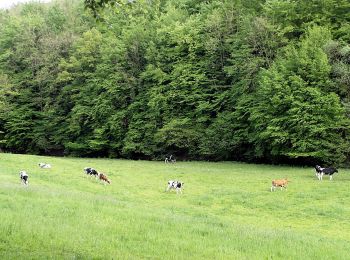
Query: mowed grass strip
x=226, y=211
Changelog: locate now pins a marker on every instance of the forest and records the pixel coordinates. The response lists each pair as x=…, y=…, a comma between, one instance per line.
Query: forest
x=264, y=81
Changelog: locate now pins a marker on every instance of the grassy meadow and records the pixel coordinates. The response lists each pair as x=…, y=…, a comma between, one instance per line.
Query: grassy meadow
x=226, y=211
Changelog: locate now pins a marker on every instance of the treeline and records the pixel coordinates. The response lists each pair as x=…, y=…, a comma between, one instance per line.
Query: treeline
x=262, y=81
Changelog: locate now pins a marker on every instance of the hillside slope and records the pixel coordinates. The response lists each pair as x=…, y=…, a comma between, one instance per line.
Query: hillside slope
x=225, y=212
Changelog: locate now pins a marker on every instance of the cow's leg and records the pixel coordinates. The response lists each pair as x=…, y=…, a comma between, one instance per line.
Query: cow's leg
x=330, y=177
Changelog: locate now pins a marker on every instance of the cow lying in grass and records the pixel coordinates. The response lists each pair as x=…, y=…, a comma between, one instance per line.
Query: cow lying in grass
x=279, y=183
x=45, y=165
x=176, y=185
x=90, y=171
x=104, y=178
x=24, y=177
x=325, y=171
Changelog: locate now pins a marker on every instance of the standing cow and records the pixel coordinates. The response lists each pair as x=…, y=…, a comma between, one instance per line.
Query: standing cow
x=170, y=159
x=325, y=171
x=279, y=183
x=104, y=178
x=176, y=185
x=91, y=171
x=24, y=177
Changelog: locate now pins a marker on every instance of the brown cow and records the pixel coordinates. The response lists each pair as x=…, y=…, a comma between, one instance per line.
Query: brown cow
x=104, y=178
x=279, y=183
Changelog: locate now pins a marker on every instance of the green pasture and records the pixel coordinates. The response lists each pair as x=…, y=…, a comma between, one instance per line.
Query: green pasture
x=226, y=211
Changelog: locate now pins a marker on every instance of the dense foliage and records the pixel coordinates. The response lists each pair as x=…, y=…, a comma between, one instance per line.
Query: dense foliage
x=260, y=80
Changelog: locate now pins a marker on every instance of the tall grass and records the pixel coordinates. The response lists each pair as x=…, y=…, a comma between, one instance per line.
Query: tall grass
x=225, y=212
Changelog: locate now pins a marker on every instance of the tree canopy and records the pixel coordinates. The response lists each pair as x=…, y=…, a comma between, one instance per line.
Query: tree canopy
x=255, y=81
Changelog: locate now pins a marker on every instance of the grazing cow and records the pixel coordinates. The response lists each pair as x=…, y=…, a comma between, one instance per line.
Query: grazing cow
x=45, y=165
x=104, y=178
x=24, y=177
x=279, y=183
x=90, y=171
x=176, y=185
x=325, y=171
x=170, y=159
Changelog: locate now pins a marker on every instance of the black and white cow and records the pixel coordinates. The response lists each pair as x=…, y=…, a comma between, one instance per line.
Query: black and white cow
x=170, y=159
x=176, y=185
x=325, y=171
x=45, y=165
x=24, y=177
x=91, y=171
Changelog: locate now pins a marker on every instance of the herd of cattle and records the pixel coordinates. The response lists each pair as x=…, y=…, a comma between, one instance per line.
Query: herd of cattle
x=178, y=185
x=23, y=175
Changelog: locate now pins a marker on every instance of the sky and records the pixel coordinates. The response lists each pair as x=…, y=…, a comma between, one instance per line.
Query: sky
x=8, y=3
